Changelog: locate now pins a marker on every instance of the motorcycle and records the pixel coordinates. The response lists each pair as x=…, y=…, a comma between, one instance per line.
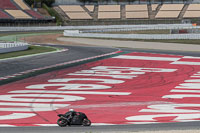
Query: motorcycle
x=78, y=119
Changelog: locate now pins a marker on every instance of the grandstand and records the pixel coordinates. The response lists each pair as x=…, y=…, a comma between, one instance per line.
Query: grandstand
x=75, y=12
x=130, y=13
x=136, y=11
x=169, y=11
x=109, y=12
x=193, y=11
x=126, y=13
x=13, y=11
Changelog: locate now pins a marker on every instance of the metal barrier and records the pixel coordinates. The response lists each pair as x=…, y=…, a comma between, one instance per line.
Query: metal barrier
x=102, y=27
x=11, y=47
x=95, y=33
x=133, y=36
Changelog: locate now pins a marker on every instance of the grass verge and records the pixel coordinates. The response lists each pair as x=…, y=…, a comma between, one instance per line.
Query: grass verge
x=181, y=41
x=30, y=51
x=16, y=36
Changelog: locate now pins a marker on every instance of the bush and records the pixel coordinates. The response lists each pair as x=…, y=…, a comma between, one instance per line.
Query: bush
x=52, y=12
x=47, y=2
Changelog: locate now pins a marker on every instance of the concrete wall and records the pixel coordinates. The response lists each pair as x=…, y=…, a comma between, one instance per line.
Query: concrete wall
x=11, y=47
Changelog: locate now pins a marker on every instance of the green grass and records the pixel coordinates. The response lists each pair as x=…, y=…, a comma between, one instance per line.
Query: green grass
x=176, y=41
x=31, y=50
x=181, y=41
x=15, y=36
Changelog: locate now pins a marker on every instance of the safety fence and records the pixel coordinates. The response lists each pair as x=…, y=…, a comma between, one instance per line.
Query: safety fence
x=100, y=27
x=77, y=33
x=11, y=47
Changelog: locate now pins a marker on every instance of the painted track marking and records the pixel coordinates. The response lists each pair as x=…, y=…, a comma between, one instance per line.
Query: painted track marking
x=141, y=88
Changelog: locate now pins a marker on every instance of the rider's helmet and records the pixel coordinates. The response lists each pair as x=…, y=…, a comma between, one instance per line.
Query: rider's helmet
x=71, y=110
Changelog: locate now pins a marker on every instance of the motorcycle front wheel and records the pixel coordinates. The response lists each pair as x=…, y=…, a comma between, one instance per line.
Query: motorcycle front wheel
x=62, y=122
x=86, y=122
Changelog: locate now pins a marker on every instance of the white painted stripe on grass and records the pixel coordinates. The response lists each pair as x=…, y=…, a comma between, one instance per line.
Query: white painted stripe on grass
x=146, y=58
x=185, y=63
x=24, y=56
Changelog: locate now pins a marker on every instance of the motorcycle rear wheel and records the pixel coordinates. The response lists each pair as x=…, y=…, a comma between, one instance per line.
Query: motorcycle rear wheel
x=62, y=122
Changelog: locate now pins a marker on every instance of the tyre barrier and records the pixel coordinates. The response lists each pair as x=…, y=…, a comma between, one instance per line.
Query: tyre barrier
x=11, y=47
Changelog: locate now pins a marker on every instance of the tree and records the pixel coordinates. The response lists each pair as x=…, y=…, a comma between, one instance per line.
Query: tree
x=47, y=2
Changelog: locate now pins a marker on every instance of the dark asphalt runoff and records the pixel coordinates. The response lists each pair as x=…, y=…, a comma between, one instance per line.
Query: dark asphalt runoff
x=10, y=67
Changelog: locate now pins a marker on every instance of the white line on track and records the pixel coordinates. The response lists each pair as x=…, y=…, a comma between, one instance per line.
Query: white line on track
x=146, y=58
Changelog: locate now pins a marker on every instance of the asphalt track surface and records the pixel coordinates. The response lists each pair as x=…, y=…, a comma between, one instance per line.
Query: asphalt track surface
x=13, y=66
x=189, y=126
x=75, y=53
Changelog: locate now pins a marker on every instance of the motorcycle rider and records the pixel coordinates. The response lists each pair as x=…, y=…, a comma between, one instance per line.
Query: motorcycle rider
x=70, y=114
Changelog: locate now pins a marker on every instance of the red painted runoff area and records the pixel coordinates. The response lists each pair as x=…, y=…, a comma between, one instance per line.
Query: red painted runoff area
x=134, y=88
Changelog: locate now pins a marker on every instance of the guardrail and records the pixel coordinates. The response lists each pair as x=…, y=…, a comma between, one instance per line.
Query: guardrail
x=11, y=47
x=135, y=27
x=96, y=33
x=131, y=36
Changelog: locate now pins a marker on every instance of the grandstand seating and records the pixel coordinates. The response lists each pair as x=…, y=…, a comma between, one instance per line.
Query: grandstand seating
x=3, y=15
x=18, y=14
x=109, y=15
x=75, y=12
x=7, y=4
x=71, y=8
x=17, y=9
x=109, y=12
x=22, y=5
x=193, y=7
x=130, y=8
x=79, y=15
x=193, y=11
x=136, y=11
x=154, y=7
x=192, y=14
x=137, y=15
x=34, y=14
x=169, y=11
x=171, y=7
x=168, y=14
x=109, y=8
x=90, y=7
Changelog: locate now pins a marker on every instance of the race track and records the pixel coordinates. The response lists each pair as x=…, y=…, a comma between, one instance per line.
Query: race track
x=132, y=87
